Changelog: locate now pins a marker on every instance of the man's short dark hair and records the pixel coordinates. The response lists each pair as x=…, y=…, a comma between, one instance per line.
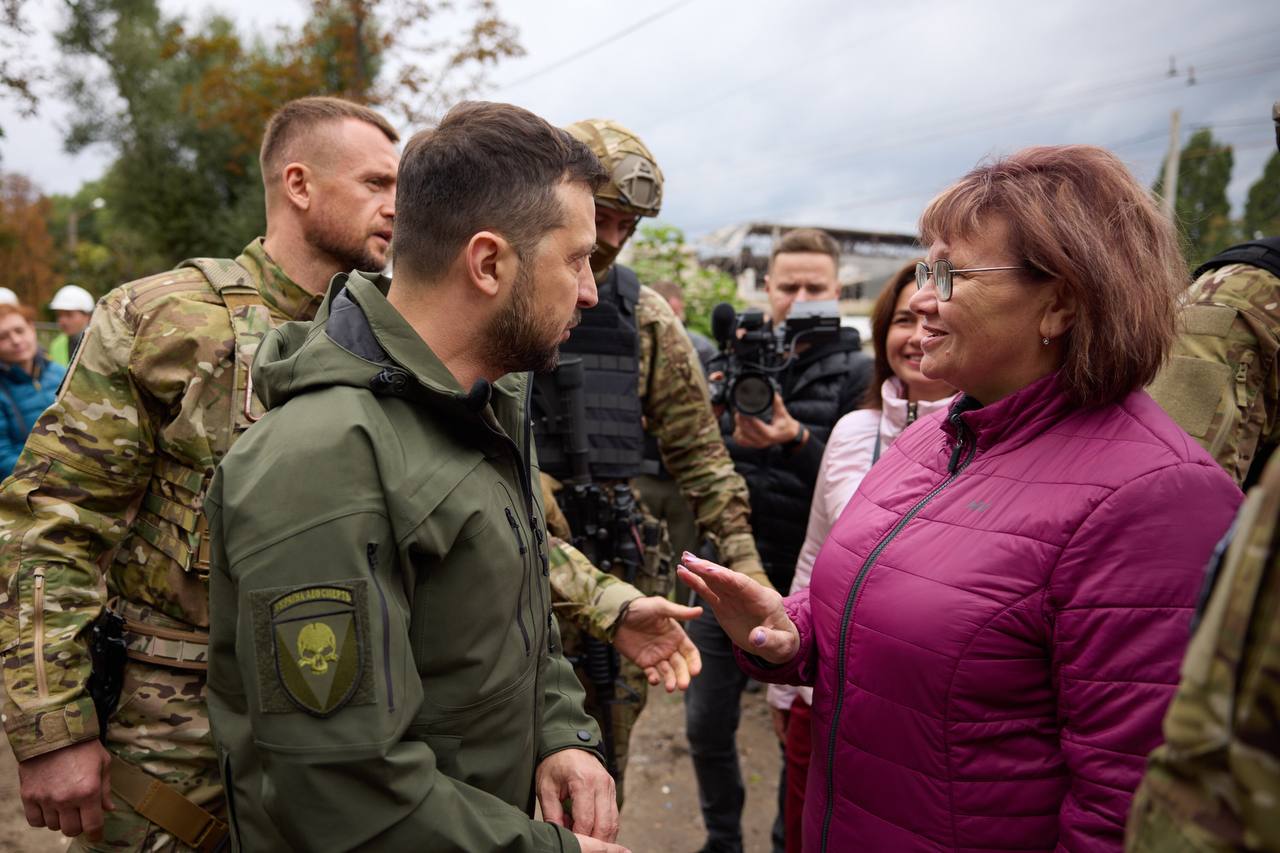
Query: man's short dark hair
x=807, y=240
x=296, y=119
x=486, y=166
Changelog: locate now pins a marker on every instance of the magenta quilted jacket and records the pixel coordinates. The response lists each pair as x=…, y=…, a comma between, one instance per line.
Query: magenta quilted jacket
x=996, y=622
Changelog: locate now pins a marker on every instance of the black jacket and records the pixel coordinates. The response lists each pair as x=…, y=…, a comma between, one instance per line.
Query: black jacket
x=824, y=384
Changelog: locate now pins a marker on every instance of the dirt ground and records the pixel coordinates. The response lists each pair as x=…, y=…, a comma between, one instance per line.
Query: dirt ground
x=661, y=814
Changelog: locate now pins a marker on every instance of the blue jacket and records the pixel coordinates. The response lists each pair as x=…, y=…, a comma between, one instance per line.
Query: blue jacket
x=23, y=399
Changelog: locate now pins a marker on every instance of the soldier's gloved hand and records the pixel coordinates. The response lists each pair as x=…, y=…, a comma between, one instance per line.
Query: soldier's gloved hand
x=578, y=775
x=752, y=615
x=754, y=433
x=68, y=789
x=651, y=638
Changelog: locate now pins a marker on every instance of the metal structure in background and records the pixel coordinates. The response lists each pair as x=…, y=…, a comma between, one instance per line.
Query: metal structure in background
x=867, y=258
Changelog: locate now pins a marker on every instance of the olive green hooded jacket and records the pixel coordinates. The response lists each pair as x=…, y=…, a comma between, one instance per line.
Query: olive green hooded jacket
x=385, y=670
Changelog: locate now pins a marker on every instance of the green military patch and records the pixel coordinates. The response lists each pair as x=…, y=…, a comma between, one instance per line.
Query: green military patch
x=312, y=647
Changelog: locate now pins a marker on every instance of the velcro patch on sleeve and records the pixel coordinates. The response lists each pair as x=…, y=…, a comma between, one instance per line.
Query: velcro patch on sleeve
x=311, y=647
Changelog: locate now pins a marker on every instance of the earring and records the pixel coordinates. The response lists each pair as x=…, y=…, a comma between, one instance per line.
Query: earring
x=1044, y=342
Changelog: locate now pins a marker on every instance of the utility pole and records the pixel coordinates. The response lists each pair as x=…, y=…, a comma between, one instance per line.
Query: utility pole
x=1171, y=165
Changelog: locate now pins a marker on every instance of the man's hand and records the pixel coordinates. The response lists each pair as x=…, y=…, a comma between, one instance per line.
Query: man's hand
x=578, y=775
x=651, y=638
x=752, y=615
x=780, y=718
x=68, y=789
x=592, y=845
x=754, y=433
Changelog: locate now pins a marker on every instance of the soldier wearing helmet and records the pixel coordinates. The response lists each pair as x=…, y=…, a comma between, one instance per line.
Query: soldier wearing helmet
x=643, y=385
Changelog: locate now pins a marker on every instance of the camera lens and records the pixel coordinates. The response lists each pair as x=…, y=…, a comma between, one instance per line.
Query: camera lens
x=752, y=394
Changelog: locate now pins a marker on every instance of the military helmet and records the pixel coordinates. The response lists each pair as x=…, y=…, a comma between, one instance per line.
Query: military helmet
x=635, y=181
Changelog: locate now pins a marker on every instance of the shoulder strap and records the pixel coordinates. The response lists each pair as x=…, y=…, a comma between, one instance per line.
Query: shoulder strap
x=628, y=287
x=250, y=321
x=1264, y=254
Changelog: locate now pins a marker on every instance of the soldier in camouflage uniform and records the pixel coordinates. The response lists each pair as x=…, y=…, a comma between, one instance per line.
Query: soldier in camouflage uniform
x=672, y=405
x=105, y=503
x=1215, y=782
x=1222, y=383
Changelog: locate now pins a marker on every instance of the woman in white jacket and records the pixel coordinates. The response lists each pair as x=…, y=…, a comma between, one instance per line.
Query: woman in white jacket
x=898, y=394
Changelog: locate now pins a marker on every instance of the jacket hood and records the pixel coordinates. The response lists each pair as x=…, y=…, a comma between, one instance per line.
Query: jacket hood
x=358, y=339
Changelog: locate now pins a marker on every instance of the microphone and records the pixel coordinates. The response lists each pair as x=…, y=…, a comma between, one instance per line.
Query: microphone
x=478, y=397
x=724, y=321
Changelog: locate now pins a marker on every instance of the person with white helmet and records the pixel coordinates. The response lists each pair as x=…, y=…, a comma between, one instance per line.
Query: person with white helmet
x=72, y=305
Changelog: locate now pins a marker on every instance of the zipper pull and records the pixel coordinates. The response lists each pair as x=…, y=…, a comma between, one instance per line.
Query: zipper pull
x=962, y=433
x=515, y=528
x=39, y=578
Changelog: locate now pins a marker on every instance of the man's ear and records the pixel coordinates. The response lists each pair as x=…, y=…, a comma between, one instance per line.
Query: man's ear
x=296, y=185
x=490, y=262
x=1060, y=314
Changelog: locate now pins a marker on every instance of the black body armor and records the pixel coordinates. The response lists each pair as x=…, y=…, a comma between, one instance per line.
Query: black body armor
x=608, y=340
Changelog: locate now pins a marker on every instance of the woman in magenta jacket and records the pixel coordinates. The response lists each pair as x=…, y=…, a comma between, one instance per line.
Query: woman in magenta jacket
x=995, y=623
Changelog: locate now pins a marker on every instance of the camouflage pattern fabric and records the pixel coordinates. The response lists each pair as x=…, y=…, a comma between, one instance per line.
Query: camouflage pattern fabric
x=1221, y=384
x=106, y=501
x=677, y=411
x=1215, y=783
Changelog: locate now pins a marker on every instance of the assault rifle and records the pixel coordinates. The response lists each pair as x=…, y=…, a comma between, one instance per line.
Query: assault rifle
x=605, y=523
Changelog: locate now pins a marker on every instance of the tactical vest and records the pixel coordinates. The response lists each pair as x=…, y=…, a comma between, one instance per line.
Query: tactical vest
x=170, y=517
x=608, y=339
x=1263, y=254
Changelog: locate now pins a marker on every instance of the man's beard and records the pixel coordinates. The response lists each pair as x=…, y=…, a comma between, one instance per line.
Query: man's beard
x=516, y=340
x=348, y=250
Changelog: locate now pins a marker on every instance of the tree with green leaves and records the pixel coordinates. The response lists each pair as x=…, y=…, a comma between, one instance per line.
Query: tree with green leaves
x=1262, y=206
x=660, y=253
x=182, y=104
x=1202, y=210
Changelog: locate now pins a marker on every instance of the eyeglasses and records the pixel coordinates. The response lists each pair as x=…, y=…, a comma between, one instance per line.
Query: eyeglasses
x=942, y=273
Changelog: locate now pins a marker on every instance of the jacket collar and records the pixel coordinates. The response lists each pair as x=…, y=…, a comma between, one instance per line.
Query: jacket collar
x=1014, y=420
x=280, y=292
x=894, y=406
x=384, y=330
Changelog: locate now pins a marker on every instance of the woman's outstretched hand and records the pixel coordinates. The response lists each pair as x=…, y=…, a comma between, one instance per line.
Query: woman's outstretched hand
x=752, y=615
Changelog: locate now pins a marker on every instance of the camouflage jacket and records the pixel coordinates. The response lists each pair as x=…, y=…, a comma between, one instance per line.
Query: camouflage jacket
x=581, y=593
x=1215, y=783
x=677, y=412
x=1222, y=384
x=106, y=498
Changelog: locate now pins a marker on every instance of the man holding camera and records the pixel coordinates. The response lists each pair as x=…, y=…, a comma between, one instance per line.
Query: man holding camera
x=778, y=454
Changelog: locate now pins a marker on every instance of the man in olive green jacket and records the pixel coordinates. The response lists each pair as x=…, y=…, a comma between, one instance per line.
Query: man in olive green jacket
x=385, y=669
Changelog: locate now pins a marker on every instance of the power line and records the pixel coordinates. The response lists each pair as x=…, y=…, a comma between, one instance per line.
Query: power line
x=607, y=40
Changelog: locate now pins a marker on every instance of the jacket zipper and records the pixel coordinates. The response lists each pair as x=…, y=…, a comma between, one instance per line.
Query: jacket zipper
x=37, y=629
x=371, y=553
x=524, y=567
x=955, y=467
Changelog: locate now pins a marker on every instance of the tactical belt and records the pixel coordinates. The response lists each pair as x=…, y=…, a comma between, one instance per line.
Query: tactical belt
x=167, y=809
x=159, y=644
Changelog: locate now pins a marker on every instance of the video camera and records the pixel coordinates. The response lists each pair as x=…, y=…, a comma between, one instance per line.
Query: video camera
x=753, y=352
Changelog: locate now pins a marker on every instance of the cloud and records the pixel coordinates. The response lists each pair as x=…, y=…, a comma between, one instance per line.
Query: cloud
x=853, y=114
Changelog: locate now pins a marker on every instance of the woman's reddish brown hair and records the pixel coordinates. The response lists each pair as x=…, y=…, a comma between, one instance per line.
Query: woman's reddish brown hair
x=1080, y=221
x=28, y=313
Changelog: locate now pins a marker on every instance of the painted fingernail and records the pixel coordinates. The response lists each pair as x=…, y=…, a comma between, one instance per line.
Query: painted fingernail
x=758, y=637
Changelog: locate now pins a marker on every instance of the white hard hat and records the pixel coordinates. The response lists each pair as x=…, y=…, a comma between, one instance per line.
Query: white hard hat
x=8, y=297
x=72, y=298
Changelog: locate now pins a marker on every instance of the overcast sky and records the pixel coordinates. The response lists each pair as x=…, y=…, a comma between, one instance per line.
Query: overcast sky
x=844, y=113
